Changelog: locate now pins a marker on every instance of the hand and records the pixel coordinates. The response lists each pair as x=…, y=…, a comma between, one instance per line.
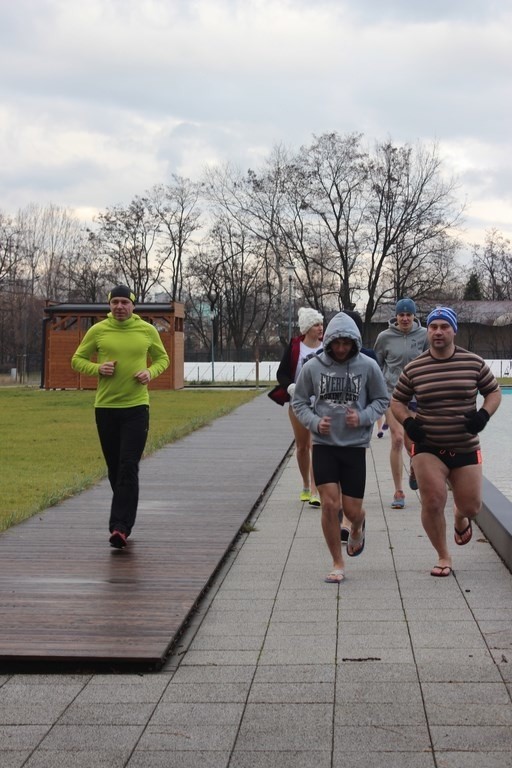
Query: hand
x=108, y=369
x=143, y=377
x=324, y=426
x=414, y=430
x=351, y=418
x=291, y=389
x=476, y=421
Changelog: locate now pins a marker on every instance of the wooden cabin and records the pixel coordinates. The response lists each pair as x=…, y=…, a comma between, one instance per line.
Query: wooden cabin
x=65, y=325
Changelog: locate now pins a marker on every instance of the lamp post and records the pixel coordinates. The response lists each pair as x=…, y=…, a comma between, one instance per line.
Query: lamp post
x=213, y=315
x=291, y=272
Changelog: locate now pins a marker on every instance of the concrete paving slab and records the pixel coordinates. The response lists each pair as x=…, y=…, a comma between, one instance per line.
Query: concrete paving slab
x=452, y=655
x=380, y=759
x=188, y=673
x=461, y=694
x=450, y=672
x=295, y=673
x=447, y=634
x=311, y=652
x=84, y=737
x=178, y=759
x=286, y=629
x=189, y=693
x=476, y=759
x=226, y=642
x=79, y=759
x=349, y=643
x=290, y=759
x=112, y=713
x=283, y=727
x=378, y=692
x=22, y=737
x=355, y=652
x=286, y=693
x=463, y=713
x=199, y=713
x=371, y=738
x=380, y=715
x=187, y=737
x=471, y=738
x=226, y=658
x=374, y=671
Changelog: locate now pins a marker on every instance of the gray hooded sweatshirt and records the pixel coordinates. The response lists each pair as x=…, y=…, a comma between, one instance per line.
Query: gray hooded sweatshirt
x=394, y=349
x=326, y=387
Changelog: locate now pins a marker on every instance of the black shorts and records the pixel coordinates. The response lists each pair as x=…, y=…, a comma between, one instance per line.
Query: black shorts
x=346, y=466
x=449, y=458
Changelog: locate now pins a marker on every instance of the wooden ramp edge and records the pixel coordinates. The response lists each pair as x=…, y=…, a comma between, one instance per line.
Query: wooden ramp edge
x=67, y=598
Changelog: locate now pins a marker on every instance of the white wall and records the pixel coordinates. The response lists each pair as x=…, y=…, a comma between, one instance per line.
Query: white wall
x=500, y=367
x=246, y=372
x=198, y=372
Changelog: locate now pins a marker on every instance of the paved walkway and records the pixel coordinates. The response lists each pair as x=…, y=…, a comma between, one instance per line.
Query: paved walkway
x=392, y=669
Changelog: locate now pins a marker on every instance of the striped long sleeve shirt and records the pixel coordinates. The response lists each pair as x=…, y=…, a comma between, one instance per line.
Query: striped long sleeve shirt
x=446, y=390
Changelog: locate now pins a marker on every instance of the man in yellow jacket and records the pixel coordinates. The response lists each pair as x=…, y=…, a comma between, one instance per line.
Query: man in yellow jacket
x=121, y=345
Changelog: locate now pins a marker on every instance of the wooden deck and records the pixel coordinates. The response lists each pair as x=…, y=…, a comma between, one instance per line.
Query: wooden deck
x=67, y=597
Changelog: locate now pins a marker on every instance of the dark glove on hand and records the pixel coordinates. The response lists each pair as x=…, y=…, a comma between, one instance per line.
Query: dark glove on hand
x=476, y=421
x=414, y=430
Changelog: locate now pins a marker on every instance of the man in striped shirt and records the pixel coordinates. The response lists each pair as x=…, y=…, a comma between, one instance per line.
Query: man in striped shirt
x=445, y=381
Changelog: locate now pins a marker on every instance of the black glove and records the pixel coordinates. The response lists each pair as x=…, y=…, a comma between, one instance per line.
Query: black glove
x=476, y=421
x=414, y=430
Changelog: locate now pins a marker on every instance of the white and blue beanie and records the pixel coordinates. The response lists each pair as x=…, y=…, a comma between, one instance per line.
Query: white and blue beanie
x=443, y=313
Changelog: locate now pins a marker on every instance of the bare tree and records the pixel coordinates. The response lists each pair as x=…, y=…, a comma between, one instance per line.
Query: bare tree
x=332, y=173
x=228, y=274
x=90, y=271
x=411, y=217
x=492, y=264
x=10, y=249
x=129, y=236
x=255, y=202
x=50, y=237
x=176, y=208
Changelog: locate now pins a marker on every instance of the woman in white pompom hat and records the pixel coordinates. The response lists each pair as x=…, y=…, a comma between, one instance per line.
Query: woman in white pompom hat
x=300, y=349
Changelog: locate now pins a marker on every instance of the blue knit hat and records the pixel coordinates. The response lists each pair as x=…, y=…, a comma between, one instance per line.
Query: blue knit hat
x=443, y=313
x=405, y=305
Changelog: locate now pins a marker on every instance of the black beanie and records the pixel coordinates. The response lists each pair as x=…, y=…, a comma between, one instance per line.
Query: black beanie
x=121, y=291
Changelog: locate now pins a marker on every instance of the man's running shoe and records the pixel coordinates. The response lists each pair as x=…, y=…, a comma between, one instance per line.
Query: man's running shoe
x=305, y=494
x=413, y=483
x=314, y=501
x=398, y=500
x=118, y=540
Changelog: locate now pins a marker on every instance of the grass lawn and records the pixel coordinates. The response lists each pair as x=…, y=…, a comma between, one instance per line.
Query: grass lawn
x=50, y=450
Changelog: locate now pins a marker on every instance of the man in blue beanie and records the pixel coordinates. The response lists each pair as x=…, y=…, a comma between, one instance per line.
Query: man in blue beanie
x=404, y=340
x=445, y=381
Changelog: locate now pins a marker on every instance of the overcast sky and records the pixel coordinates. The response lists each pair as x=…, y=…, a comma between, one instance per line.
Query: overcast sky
x=101, y=99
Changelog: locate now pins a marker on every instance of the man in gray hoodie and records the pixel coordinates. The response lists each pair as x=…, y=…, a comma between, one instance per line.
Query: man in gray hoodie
x=339, y=395
x=404, y=340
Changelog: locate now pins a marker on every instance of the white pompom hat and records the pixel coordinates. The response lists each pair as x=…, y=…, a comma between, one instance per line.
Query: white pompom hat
x=308, y=317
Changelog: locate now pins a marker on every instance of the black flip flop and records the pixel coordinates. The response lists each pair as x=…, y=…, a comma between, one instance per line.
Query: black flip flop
x=441, y=571
x=461, y=534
